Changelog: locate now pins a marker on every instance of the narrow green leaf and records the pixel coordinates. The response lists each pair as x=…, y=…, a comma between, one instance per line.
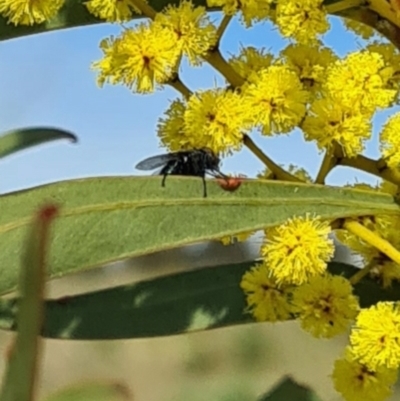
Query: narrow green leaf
x=179, y=303
x=289, y=390
x=93, y=392
x=20, y=139
x=109, y=219
x=74, y=14
x=191, y=301
x=20, y=375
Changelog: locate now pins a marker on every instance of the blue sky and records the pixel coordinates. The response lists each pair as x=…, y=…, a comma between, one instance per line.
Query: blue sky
x=45, y=80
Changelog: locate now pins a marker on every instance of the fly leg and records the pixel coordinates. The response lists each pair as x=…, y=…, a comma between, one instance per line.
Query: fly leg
x=220, y=174
x=165, y=175
x=167, y=170
x=204, y=186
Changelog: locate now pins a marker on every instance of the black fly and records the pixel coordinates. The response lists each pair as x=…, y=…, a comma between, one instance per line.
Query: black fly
x=196, y=162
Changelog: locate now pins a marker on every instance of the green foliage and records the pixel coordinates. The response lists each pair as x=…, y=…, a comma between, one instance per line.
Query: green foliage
x=180, y=303
x=289, y=390
x=20, y=139
x=108, y=219
x=21, y=372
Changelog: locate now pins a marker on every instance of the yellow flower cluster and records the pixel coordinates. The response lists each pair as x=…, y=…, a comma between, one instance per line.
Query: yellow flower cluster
x=250, y=61
x=140, y=58
x=390, y=141
x=292, y=280
x=266, y=300
x=309, y=62
x=306, y=86
x=112, y=10
x=360, y=81
x=302, y=20
x=369, y=369
x=29, y=12
x=332, y=100
x=213, y=119
x=358, y=383
x=194, y=33
x=352, y=90
x=298, y=249
x=274, y=100
x=375, y=337
x=277, y=99
x=149, y=54
x=251, y=10
x=325, y=305
x=329, y=123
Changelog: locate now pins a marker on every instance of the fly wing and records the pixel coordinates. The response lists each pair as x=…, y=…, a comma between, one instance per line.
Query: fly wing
x=157, y=172
x=154, y=162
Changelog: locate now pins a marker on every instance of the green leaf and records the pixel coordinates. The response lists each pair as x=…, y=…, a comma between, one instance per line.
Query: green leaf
x=93, y=392
x=20, y=139
x=22, y=369
x=108, y=219
x=74, y=14
x=289, y=390
x=191, y=301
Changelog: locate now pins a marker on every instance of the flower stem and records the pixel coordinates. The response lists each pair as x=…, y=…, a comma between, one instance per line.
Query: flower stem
x=278, y=171
x=146, y=10
x=215, y=59
x=374, y=20
x=177, y=84
x=222, y=27
x=328, y=163
x=342, y=5
x=357, y=277
x=371, y=166
x=384, y=9
x=372, y=239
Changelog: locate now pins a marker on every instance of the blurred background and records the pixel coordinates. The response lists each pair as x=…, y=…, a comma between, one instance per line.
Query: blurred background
x=234, y=364
x=46, y=80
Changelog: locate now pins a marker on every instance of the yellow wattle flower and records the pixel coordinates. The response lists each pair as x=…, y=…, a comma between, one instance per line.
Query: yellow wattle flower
x=140, y=58
x=356, y=382
x=195, y=34
x=112, y=10
x=276, y=98
x=302, y=20
x=375, y=337
x=298, y=250
x=29, y=12
x=266, y=300
x=325, y=305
